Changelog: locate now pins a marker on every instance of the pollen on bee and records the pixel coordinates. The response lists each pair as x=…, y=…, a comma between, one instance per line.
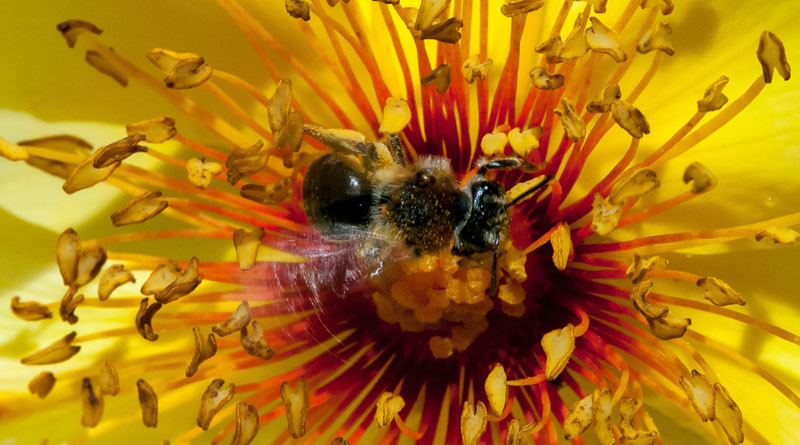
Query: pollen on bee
x=445, y=292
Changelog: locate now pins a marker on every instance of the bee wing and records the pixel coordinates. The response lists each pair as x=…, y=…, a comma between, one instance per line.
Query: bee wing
x=321, y=269
x=328, y=281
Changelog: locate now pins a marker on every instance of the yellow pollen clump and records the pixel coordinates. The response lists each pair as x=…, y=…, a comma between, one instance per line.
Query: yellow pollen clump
x=440, y=292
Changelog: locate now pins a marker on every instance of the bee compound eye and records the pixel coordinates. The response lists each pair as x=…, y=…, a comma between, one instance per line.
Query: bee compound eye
x=424, y=178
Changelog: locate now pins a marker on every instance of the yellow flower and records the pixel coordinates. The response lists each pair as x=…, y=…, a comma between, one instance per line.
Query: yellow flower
x=589, y=303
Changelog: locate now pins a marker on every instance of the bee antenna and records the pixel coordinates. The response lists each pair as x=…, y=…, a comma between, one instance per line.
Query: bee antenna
x=530, y=191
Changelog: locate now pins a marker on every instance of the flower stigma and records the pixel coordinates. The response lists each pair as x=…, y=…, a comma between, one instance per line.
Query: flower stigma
x=521, y=257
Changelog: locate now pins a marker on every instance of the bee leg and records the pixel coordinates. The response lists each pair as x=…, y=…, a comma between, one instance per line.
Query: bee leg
x=495, y=253
x=505, y=164
x=398, y=152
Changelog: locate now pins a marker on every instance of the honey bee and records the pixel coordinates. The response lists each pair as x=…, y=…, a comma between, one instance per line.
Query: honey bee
x=371, y=186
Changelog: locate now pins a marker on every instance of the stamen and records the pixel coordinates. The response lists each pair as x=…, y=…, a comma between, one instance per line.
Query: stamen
x=42, y=384
x=29, y=310
x=296, y=402
x=474, y=419
x=57, y=352
x=148, y=402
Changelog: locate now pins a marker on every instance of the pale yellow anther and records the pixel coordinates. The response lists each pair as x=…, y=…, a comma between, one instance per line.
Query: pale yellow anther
x=657, y=39
x=69, y=303
x=42, y=384
x=561, y=241
x=439, y=78
x=668, y=327
x=605, y=216
x=601, y=402
x=639, y=298
x=86, y=175
x=56, y=352
x=713, y=99
x=12, y=151
x=525, y=141
x=446, y=31
x=493, y=144
x=236, y=321
x=295, y=400
x=247, y=424
x=118, y=151
x=200, y=172
x=168, y=281
x=496, y=390
x=148, y=401
x=92, y=404
x=140, y=209
x=579, y=417
x=630, y=119
x=63, y=143
x=71, y=29
x=558, y=345
x=114, y=277
x=387, y=407
x=728, y=415
x=161, y=277
x=440, y=347
x=634, y=186
x=700, y=176
x=245, y=161
x=188, y=73
x=279, y=105
x=630, y=435
x=598, y=6
x=602, y=39
x=29, y=310
x=772, y=56
x=781, y=235
x=396, y=115
x=246, y=244
x=144, y=319
x=68, y=251
x=166, y=60
x=543, y=80
x=513, y=262
x=574, y=126
x=298, y=9
x=213, y=399
x=473, y=422
x=517, y=7
x=700, y=391
x=204, y=349
x=90, y=262
x=640, y=267
x=512, y=293
x=429, y=11
x=291, y=135
x=156, y=130
x=341, y=440
x=666, y=5
x=254, y=342
x=513, y=435
x=610, y=94
x=108, y=379
x=340, y=140
x=719, y=292
x=101, y=64
x=473, y=68
x=550, y=49
x=575, y=45
x=273, y=193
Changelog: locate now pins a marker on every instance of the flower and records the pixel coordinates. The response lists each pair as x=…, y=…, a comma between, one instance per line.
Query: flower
x=579, y=328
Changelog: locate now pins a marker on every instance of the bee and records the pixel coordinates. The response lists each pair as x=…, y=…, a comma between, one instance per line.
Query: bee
x=372, y=186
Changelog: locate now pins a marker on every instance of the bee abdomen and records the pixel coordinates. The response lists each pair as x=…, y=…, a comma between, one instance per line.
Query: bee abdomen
x=336, y=195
